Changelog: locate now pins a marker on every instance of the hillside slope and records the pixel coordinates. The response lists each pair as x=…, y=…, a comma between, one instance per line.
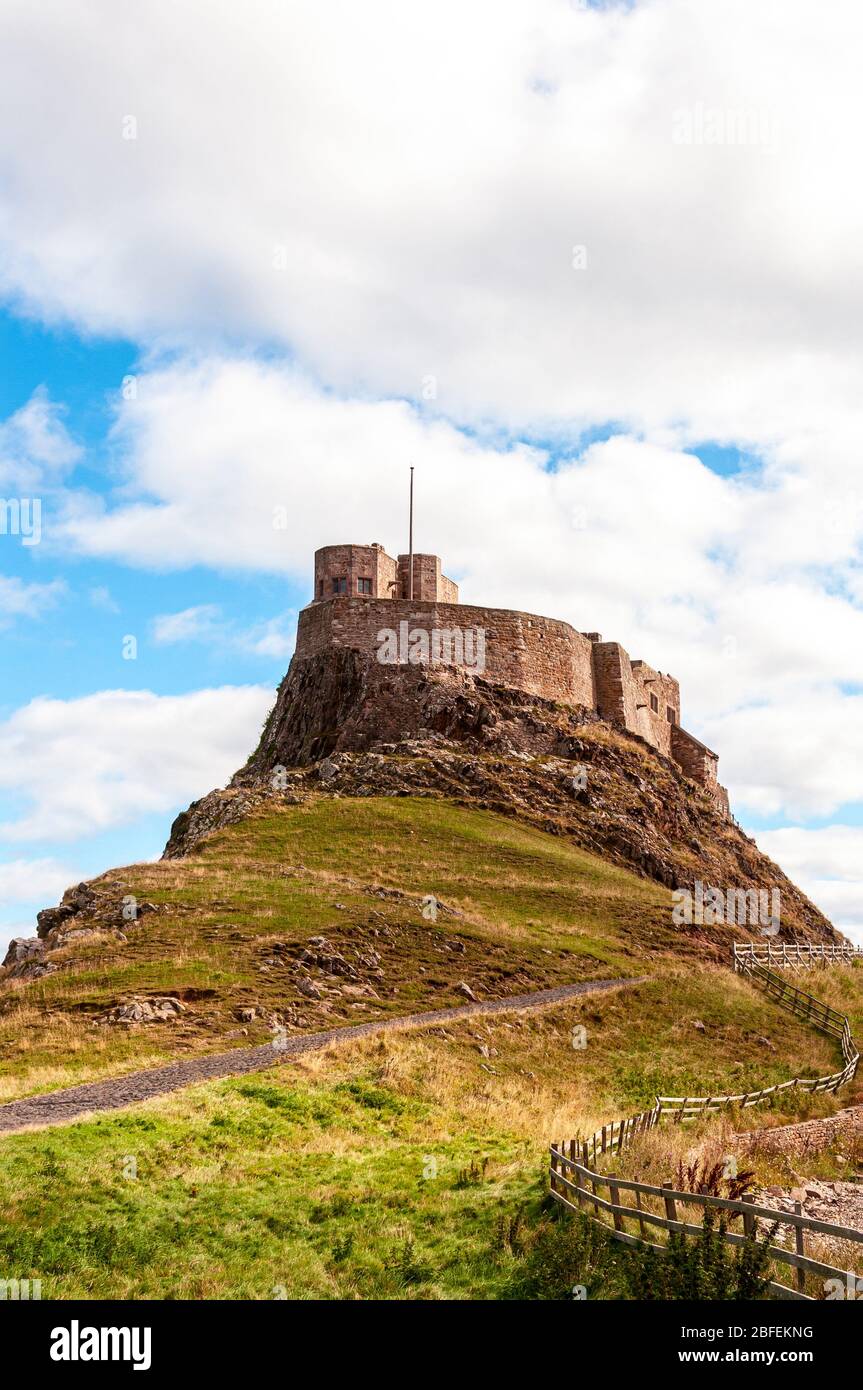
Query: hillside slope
x=357, y=728
x=397, y=838
x=312, y=915
x=403, y=1167
x=426, y=840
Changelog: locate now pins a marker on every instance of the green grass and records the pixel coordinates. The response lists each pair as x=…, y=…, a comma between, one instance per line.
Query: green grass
x=382, y=1169
x=529, y=910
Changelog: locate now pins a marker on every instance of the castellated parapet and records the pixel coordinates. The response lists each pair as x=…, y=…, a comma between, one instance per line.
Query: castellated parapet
x=361, y=592
x=367, y=571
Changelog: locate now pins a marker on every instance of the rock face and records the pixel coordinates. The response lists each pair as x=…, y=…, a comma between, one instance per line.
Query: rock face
x=344, y=725
x=161, y=1009
x=209, y=813
x=86, y=912
x=809, y=1137
x=839, y=1203
x=25, y=958
x=340, y=701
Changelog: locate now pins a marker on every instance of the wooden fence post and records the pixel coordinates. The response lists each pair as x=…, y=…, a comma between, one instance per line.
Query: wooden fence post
x=640, y=1221
x=614, y=1192
x=670, y=1204
x=798, y=1241
x=748, y=1218
x=595, y=1194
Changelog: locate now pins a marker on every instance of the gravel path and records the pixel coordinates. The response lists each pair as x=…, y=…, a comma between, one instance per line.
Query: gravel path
x=59, y=1106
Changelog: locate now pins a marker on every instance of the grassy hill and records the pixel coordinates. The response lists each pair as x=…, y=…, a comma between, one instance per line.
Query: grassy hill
x=392, y=1167
x=398, y=1167
x=519, y=910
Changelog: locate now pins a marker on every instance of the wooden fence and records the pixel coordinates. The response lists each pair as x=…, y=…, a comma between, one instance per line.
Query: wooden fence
x=793, y=955
x=614, y=1136
x=574, y=1172
x=576, y=1186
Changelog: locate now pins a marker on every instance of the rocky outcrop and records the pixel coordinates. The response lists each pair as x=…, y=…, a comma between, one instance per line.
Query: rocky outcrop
x=839, y=1203
x=810, y=1137
x=341, y=701
x=25, y=958
x=344, y=725
x=90, y=907
x=212, y=812
x=86, y=912
x=160, y=1009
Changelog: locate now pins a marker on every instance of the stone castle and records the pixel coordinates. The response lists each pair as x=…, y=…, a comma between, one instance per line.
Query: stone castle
x=361, y=591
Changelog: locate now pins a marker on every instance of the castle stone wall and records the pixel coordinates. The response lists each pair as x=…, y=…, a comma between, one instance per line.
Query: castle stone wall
x=615, y=688
x=539, y=655
x=448, y=590
x=430, y=584
x=700, y=763
x=352, y=563
x=542, y=656
x=656, y=724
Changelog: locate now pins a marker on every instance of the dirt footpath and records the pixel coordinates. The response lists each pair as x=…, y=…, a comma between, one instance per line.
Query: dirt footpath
x=58, y=1107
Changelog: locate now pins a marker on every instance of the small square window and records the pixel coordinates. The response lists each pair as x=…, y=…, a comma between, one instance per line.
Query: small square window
x=364, y=586
x=654, y=704
x=671, y=714
x=340, y=586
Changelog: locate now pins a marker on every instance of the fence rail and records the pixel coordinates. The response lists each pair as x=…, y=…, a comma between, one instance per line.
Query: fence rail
x=574, y=1162
x=612, y=1137
x=576, y=1186
x=793, y=955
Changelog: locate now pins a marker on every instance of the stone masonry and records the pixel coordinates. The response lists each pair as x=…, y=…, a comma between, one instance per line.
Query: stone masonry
x=361, y=592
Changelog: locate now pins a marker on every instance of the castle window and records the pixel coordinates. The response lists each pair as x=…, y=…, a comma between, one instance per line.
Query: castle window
x=654, y=704
x=671, y=714
x=364, y=586
x=340, y=586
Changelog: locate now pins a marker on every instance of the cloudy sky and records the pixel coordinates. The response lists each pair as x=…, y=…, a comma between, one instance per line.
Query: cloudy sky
x=594, y=269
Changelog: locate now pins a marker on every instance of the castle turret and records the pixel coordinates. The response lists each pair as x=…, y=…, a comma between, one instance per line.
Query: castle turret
x=367, y=571
x=363, y=598
x=364, y=571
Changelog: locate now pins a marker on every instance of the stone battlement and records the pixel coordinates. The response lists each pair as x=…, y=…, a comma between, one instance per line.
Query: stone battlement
x=361, y=594
x=369, y=572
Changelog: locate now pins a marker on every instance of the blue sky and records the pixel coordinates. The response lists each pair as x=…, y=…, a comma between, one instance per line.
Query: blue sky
x=232, y=313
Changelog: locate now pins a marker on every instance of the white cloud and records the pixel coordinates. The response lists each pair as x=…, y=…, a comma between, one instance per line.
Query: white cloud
x=26, y=880
x=100, y=597
x=197, y=624
x=36, y=450
x=19, y=599
x=273, y=637
x=800, y=755
x=396, y=195
x=82, y=766
x=828, y=864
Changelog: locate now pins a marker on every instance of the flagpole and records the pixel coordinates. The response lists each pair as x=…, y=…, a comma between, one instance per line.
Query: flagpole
x=411, y=541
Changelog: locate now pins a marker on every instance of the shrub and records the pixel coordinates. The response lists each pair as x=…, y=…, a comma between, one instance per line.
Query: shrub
x=562, y=1254
x=703, y=1268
